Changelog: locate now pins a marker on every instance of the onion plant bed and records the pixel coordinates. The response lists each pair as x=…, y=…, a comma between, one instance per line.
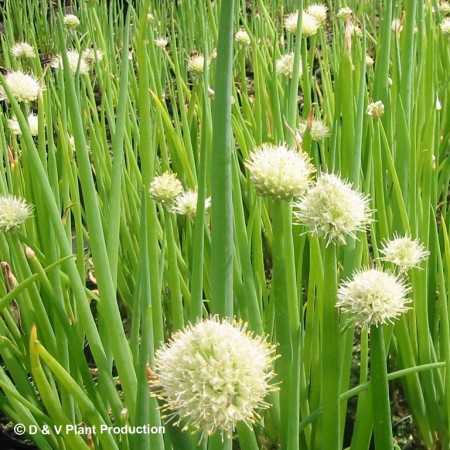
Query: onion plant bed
x=224, y=224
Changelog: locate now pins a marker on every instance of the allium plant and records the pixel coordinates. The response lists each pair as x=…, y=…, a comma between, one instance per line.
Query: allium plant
x=13, y=212
x=444, y=7
x=318, y=11
x=77, y=63
x=165, y=188
x=23, y=50
x=92, y=54
x=161, y=42
x=318, y=129
x=344, y=13
x=333, y=210
x=310, y=24
x=373, y=297
x=285, y=65
x=375, y=109
x=214, y=374
x=242, y=38
x=186, y=203
x=279, y=172
x=13, y=125
x=24, y=88
x=404, y=252
x=195, y=64
x=445, y=26
x=71, y=21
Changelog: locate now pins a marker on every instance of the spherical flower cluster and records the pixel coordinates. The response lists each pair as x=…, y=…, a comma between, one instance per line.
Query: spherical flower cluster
x=196, y=64
x=444, y=7
x=285, y=65
x=369, y=61
x=76, y=63
x=13, y=212
x=164, y=188
x=344, y=13
x=310, y=24
x=318, y=129
x=373, y=297
x=279, y=172
x=13, y=125
x=214, y=374
x=445, y=25
x=186, y=204
x=396, y=26
x=71, y=21
x=333, y=210
x=355, y=30
x=161, y=42
x=23, y=50
x=24, y=88
x=242, y=38
x=375, y=109
x=318, y=11
x=290, y=22
x=404, y=252
x=90, y=55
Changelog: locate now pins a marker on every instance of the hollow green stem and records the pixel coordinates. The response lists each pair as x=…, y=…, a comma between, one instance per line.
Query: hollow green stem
x=221, y=175
x=380, y=391
x=330, y=355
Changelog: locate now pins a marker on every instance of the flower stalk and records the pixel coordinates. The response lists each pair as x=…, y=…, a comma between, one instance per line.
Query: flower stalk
x=381, y=409
x=331, y=382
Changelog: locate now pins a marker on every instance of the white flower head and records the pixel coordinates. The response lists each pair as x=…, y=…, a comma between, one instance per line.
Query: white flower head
x=369, y=61
x=319, y=11
x=186, y=203
x=397, y=26
x=404, y=252
x=13, y=125
x=23, y=50
x=242, y=38
x=161, y=42
x=310, y=24
x=196, y=64
x=344, y=13
x=214, y=374
x=71, y=21
x=279, y=172
x=290, y=22
x=445, y=26
x=333, y=210
x=13, y=212
x=375, y=109
x=77, y=63
x=319, y=130
x=164, y=188
x=90, y=55
x=24, y=88
x=285, y=65
x=444, y=7
x=373, y=297
x=355, y=30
